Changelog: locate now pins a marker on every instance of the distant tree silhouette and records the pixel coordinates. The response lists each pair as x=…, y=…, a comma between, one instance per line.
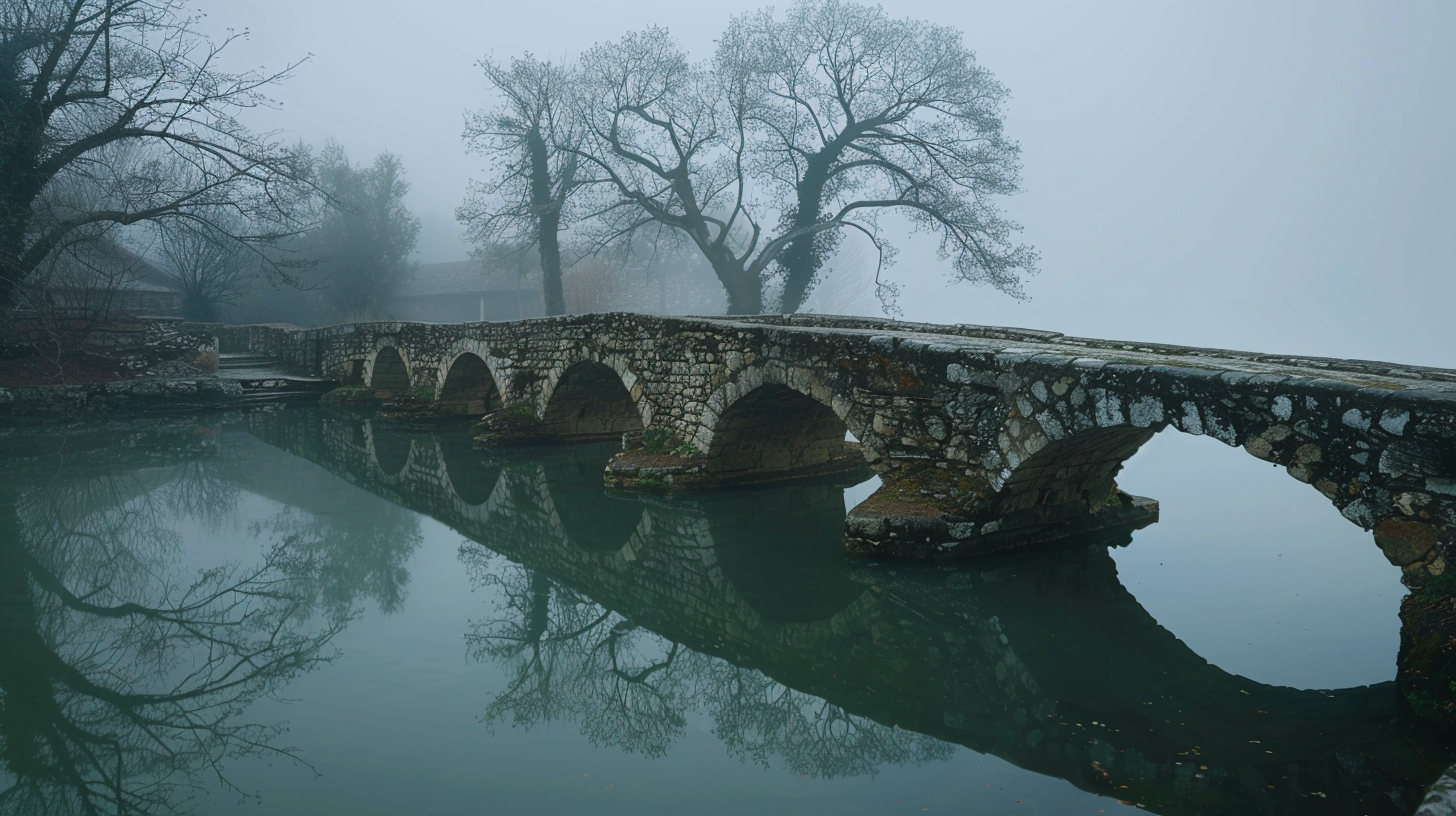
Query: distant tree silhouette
x=529, y=137
x=367, y=235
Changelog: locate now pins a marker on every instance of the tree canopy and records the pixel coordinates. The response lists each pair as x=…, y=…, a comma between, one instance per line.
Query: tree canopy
x=127, y=99
x=364, y=242
x=802, y=129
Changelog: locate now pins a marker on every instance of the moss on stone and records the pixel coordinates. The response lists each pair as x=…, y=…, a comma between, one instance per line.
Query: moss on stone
x=929, y=490
x=1426, y=665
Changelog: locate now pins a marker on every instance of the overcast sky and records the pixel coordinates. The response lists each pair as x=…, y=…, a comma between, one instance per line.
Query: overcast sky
x=1274, y=176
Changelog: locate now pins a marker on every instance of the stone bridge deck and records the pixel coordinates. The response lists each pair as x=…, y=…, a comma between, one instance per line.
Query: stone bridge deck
x=985, y=438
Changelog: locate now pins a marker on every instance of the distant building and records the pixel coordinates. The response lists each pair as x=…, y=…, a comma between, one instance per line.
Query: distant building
x=101, y=277
x=462, y=292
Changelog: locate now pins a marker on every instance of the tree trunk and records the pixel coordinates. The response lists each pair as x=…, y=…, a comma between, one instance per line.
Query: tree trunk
x=12, y=246
x=548, y=224
x=745, y=293
x=803, y=257
x=549, y=240
x=538, y=610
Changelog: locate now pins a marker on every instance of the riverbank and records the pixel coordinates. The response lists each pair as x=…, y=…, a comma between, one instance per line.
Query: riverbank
x=40, y=403
x=136, y=366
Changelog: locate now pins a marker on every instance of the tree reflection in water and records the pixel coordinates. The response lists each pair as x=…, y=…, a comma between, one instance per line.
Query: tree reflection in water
x=629, y=688
x=740, y=608
x=124, y=674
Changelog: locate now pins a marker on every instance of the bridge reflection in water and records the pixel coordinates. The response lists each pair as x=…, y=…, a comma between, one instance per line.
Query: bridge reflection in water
x=613, y=608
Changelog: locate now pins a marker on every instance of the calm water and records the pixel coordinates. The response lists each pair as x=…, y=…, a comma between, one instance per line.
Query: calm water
x=291, y=613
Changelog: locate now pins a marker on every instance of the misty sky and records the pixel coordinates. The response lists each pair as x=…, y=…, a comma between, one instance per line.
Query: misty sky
x=1274, y=176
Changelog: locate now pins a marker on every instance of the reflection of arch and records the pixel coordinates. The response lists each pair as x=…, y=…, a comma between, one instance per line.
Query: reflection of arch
x=590, y=402
x=389, y=375
x=469, y=387
x=471, y=478
x=774, y=431
x=792, y=570
x=391, y=449
x=355, y=433
x=1047, y=661
x=592, y=520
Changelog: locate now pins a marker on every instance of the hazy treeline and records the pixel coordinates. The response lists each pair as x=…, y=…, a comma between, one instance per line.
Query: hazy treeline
x=632, y=177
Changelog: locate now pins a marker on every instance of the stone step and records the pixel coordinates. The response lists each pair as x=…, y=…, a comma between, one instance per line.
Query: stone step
x=233, y=361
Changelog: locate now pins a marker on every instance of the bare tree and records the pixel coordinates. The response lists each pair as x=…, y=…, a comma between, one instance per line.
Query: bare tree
x=80, y=76
x=210, y=267
x=860, y=113
x=826, y=121
x=77, y=286
x=529, y=138
x=671, y=140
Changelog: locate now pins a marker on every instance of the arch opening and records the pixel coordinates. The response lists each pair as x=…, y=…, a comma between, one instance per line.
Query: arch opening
x=352, y=372
x=590, y=404
x=774, y=432
x=469, y=388
x=390, y=376
x=1071, y=476
x=1256, y=572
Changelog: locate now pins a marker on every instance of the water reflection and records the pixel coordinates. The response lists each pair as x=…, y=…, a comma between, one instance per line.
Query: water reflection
x=124, y=674
x=741, y=606
x=126, y=669
x=630, y=688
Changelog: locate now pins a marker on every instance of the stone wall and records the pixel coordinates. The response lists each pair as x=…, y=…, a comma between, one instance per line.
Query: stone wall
x=986, y=438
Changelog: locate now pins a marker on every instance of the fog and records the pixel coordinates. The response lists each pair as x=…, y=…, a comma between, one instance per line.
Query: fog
x=1241, y=175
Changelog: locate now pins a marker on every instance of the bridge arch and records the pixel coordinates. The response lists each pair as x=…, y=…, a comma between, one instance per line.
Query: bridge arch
x=592, y=399
x=468, y=386
x=1080, y=470
x=771, y=424
x=388, y=372
x=1064, y=440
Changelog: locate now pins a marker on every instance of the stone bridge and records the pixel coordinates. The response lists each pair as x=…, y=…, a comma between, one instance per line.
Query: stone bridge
x=985, y=438
x=1046, y=661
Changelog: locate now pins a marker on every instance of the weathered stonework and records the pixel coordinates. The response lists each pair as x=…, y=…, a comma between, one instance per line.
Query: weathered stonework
x=1029, y=427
